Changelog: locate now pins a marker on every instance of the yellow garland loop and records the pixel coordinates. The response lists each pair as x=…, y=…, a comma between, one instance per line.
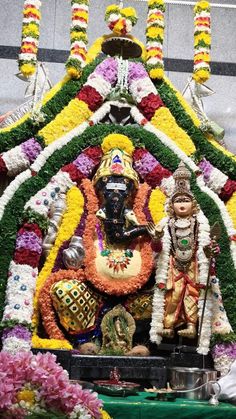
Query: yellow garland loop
x=220, y=147
x=156, y=205
x=231, y=206
x=50, y=343
x=165, y=122
x=70, y=220
x=70, y=117
x=117, y=141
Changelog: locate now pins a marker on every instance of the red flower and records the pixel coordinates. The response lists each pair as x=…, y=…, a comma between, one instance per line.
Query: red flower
x=27, y=257
x=94, y=153
x=3, y=168
x=157, y=246
x=90, y=96
x=161, y=285
x=32, y=227
x=155, y=177
x=228, y=190
x=139, y=153
x=75, y=174
x=149, y=105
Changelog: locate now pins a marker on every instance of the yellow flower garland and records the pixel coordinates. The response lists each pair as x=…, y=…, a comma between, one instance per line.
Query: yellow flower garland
x=50, y=343
x=156, y=205
x=70, y=220
x=48, y=96
x=231, y=207
x=117, y=141
x=165, y=122
x=220, y=147
x=70, y=117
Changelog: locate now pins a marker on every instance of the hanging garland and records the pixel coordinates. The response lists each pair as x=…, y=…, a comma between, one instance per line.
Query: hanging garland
x=120, y=21
x=30, y=37
x=202, y=41
x=155, y=37
x=78, y=38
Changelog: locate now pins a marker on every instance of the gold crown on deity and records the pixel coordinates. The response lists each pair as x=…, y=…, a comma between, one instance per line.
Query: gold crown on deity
x=116, y=162
x=182, y=178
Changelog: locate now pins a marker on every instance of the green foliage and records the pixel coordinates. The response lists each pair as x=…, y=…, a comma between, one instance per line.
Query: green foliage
x=228, y=338
x=216, y=157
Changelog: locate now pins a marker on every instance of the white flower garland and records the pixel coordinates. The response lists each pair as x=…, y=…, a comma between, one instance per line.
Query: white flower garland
x=217, y=180
x=15, y=345
x=20, y=292
x=12, y=188
x=15, y=161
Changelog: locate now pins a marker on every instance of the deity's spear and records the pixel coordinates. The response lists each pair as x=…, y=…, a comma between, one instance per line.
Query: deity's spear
x=215, y=234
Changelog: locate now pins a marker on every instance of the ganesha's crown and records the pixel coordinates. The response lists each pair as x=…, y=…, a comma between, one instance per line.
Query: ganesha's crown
x=116, y=162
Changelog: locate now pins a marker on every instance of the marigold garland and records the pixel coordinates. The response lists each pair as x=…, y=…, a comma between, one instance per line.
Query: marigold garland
x=155, y=37
x=101, y=283
x=30, y=37
x=231, y=207
x=40, y=343
x=164, y=121
x=117, y=141
x=71, y=218
x=120, y=21
x=78, y=38
x=156, y=205
x=202, y=41
x=71, y=116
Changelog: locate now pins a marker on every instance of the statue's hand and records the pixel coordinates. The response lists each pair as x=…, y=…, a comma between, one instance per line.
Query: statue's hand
x=212, y=250
x=156, y=231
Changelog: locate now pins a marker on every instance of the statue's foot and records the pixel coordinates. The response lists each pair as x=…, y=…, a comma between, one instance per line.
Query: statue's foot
x=168, y=333
x=190, y=332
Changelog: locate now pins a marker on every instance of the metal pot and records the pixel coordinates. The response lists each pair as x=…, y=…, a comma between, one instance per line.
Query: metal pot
x=191, y=383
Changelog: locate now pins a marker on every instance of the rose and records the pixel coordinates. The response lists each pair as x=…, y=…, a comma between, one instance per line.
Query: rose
x=90, y=96
x=150, y=104
x=27, y=257
x=94, y=153
x=155, y=177
x=75, y=174
x=139, y=153
x=228, y=189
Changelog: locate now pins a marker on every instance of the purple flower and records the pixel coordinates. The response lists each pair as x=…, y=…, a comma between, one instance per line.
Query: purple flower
x=84, y=164
x=18, y=331
x=145, y=165
x=136, y=71
x=29, y=240
x=206, y=168
x=31, y=149
x=108, y=70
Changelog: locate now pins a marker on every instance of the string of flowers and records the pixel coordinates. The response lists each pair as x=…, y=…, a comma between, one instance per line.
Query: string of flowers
x=78, y=38
x=120, y=21
x=30, y=37
x=154, y=38
x=202, y=41
x=19, y=158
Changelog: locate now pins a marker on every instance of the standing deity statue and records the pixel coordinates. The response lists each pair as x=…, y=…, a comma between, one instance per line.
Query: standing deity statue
x=183, y=268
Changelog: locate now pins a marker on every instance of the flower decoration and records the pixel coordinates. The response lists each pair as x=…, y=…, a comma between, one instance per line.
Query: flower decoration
x=30, y=36
x=19, y=158
x=36, y=384
x=120, y=21
x=117, y=141
x=202, y=41
x=78, y=38
x=155, y=37
x=148, y=168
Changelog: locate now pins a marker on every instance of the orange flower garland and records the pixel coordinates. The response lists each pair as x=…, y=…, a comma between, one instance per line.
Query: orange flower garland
x=100, y=282
x=45, y=302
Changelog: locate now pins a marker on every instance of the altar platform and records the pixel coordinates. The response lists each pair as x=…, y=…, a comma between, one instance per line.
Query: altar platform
x=144, y=406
